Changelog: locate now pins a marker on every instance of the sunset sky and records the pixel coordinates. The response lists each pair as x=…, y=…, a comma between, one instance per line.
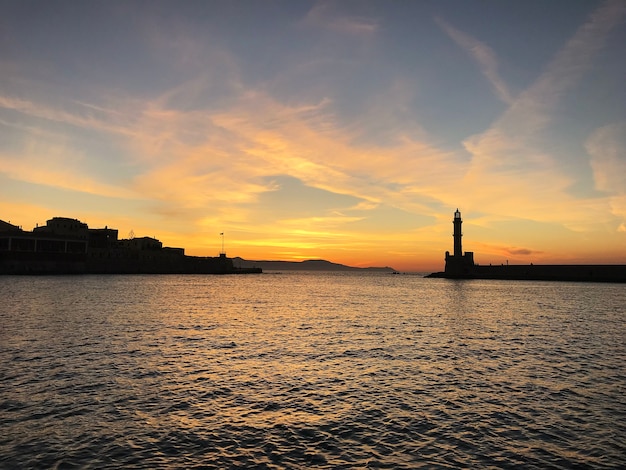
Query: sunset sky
x=343, y=130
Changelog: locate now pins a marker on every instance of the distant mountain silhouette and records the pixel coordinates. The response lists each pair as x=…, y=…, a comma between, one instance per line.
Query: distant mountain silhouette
x=308, y=265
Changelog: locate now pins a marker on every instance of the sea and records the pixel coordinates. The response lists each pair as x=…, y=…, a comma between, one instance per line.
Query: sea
x=294, y=370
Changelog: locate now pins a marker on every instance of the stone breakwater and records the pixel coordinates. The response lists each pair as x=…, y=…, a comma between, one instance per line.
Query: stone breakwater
x=545, y=272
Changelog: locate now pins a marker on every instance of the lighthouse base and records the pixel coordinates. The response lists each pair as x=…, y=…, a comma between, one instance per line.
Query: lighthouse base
x=459, y=266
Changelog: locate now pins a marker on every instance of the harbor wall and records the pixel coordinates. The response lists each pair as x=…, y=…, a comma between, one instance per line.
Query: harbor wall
x=555, y=272
x=32, y=263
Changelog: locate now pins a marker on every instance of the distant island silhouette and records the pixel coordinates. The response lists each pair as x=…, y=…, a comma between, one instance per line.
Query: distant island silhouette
x=461, y=265
x=306, y=265
x=69, y=246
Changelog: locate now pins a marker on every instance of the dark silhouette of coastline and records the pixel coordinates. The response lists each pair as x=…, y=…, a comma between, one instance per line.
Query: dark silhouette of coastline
x=68, y=246
x=307, y=265
x=461, y=265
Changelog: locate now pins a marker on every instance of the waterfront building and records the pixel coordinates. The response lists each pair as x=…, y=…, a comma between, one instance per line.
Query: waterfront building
x=69, y=246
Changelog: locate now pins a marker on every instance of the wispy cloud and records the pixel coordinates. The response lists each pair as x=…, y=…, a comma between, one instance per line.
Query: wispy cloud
x=511, y=153
x=521, y=251
x=47, y=165
x=84, y=116
x=328, y=158
x=326, y=15
x=607, y=148
x=483, y=55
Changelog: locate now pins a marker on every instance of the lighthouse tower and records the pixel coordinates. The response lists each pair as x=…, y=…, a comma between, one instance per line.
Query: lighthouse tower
x=458, y=250
x=458, y=264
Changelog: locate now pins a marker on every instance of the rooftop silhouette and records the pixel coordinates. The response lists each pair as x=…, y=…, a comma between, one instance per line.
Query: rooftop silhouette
x=69, y=246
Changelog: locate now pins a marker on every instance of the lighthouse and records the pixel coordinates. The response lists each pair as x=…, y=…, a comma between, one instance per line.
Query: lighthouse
x=458, y=264
x=458, y=250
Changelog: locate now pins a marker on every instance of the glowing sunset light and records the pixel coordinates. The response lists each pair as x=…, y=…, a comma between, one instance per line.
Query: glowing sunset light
x=348, y=131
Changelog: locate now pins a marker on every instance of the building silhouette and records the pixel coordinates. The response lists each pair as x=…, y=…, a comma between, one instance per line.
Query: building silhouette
x=69, y=246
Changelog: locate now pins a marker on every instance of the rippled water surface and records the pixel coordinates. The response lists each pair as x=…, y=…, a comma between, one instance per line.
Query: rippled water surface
x=310, y=370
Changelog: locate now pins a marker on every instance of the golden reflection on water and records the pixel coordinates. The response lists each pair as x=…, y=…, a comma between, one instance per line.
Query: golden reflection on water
x=312, y=370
